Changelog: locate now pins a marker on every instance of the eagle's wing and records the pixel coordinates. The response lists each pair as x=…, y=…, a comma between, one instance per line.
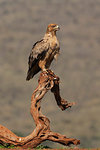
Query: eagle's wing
x=38, y=52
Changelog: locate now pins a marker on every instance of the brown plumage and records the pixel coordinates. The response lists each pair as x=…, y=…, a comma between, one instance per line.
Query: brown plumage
x=43, y=52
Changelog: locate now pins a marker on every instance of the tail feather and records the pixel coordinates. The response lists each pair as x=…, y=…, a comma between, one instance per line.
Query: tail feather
x=29, y=75
x=31, y=72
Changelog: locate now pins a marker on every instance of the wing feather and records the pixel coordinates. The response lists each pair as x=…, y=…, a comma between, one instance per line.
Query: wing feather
x=38, y=51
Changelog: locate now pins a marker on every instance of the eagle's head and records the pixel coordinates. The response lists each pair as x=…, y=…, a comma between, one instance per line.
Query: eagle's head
x=52, y=28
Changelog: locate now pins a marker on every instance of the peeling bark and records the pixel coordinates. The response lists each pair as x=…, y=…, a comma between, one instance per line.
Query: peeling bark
x=47, y=81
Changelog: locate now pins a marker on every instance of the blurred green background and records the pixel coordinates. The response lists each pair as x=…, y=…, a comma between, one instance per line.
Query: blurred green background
x=22, y=23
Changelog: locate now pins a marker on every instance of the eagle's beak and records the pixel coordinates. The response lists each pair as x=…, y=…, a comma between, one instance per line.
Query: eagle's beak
x=57, y=27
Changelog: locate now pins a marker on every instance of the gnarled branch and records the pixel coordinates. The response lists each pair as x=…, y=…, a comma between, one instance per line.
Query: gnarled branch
x=47, y=81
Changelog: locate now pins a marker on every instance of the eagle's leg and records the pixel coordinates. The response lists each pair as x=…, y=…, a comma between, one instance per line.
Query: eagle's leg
x=42, y=65
x=45, y=69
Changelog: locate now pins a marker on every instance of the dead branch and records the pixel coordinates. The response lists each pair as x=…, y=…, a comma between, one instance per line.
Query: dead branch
x=47, y=81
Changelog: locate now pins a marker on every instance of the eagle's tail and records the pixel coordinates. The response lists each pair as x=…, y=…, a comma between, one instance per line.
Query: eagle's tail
x=29, y=75
x=31, y=72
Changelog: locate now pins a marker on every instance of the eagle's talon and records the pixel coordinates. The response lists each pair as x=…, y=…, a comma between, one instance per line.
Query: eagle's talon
x=46, y=71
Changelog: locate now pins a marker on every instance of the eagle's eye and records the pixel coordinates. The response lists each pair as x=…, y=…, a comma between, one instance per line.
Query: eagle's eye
x=53, y=26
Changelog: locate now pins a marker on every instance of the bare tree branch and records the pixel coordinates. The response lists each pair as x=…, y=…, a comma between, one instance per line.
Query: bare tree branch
x=47, y=81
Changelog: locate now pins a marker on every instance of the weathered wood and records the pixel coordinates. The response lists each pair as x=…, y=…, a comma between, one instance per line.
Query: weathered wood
x=47, y=81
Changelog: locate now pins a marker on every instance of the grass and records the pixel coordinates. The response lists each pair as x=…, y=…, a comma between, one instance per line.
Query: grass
x=12, y=146
x=6, y=146
x=40, y=147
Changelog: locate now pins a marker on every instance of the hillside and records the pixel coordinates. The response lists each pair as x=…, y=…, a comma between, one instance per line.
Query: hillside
x=24, y=22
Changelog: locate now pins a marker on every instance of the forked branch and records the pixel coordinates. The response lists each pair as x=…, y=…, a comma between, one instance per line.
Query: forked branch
x=47, y=81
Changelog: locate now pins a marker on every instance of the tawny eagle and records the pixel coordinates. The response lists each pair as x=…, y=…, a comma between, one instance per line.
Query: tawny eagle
x=43, y=52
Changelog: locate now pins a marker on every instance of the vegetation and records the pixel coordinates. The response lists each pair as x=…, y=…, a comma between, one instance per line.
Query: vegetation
x=42, y=147
x=12, y=146
x=6, y=146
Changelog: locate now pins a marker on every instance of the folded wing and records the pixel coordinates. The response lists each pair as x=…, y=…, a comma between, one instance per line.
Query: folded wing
x=38, y=52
